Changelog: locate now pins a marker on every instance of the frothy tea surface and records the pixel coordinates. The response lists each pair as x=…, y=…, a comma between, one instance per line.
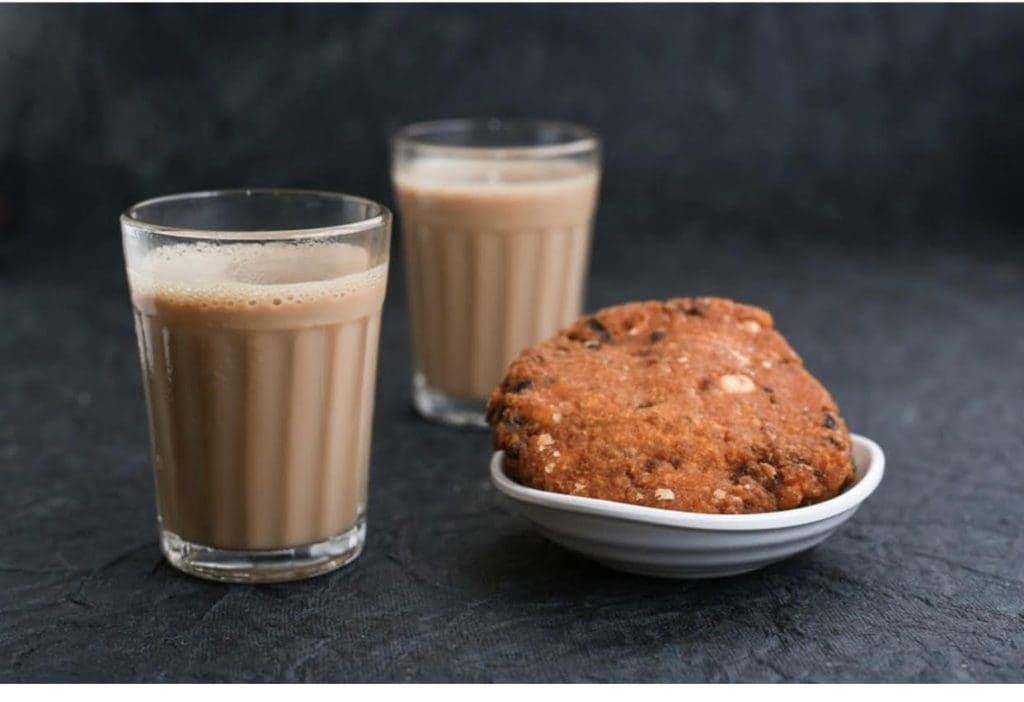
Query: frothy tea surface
x=253, y=278
x=484, y=173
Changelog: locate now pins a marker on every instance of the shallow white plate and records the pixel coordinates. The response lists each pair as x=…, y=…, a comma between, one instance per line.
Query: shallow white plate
x=671, y=544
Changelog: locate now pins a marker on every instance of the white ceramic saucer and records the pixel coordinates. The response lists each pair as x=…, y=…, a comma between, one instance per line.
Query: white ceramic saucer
x=671, y=544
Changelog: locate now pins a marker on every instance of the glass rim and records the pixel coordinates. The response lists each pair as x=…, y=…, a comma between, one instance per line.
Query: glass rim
x=382, y=216
x=583, y=140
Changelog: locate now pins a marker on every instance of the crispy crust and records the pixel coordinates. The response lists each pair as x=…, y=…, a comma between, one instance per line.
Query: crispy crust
x=693, y=404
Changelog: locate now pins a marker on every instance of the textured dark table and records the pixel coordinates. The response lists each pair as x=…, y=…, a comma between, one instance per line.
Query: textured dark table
x=920, y=343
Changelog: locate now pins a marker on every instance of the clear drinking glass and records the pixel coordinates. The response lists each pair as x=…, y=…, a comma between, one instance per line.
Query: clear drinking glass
x=496, y=227
x=258, y=321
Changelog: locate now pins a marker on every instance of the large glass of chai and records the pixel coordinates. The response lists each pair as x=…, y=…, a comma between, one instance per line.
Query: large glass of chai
x=496, y=221
x=258, y=320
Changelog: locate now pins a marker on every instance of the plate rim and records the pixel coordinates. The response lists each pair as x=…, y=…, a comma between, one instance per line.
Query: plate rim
x=871, y=476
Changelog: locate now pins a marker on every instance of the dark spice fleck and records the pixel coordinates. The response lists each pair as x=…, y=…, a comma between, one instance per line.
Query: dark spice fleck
x=646, y=403
x=704, y=384
x=657, y=335
x=688, y=307
x=739, y=473
x=650, y=464
x=599, y=329
x=520, y=386
x=512, y=452
x=495, y=412
x=830, y=421
x=518, y=420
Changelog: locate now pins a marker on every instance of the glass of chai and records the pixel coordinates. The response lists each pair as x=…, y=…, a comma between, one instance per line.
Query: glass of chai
x=496, y=221
x=258, y=320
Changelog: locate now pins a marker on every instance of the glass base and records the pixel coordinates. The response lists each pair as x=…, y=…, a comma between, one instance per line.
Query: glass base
x=438, y=407
x=271, y=566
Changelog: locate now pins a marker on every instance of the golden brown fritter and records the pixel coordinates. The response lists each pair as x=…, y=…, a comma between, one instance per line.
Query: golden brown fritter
x=693, y=404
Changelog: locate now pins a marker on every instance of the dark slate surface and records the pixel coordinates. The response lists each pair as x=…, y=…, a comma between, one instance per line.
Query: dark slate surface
x=922, y=349
x=855, y=170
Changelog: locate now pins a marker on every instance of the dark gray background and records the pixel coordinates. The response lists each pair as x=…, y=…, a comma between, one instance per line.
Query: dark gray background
x=857, y=170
